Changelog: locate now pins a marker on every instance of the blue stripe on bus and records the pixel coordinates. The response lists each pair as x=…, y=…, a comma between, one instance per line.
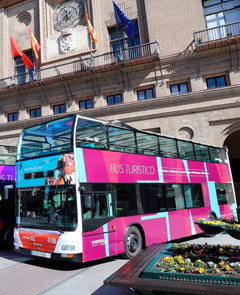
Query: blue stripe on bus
x=148, y=181
x=109, y=204
x=192, y=223
x=212, y=194
x=160, y=215
x=186, y=168
x=234, y=206
x=213, y=198
x=105, y=230
x=205, y=167
x=81, y=166
x=160, y=172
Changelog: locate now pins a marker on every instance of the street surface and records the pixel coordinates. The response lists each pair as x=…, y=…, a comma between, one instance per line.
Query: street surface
x=21, y=275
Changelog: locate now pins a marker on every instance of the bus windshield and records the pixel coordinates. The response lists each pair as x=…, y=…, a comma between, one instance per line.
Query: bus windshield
x=47, y=138
x=50, y=207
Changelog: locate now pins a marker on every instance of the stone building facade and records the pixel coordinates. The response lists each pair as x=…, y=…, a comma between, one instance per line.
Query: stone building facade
x=179, y=75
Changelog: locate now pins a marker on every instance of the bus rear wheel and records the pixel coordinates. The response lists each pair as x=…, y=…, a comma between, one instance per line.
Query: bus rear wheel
x=133, y=242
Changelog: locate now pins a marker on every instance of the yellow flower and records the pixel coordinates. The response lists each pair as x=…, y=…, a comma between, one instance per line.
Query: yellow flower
x=228, y=267
x=221, y=263
x=182, y=268
x=217, y=271
x=166, y=258
x=221, y=250
x=181, y=262
x=201, y=270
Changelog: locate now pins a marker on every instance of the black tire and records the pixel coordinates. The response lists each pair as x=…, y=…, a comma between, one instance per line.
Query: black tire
x=133, y=242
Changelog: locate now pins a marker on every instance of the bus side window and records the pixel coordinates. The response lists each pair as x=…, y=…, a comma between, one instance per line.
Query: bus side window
x=91, y=135
x=150, y=200
x=126, y=200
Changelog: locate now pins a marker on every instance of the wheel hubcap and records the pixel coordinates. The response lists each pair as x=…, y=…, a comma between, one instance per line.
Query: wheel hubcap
x=132, y=243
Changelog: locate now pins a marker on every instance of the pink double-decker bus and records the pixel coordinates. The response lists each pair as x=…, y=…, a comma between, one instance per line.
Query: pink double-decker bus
x=89, y=189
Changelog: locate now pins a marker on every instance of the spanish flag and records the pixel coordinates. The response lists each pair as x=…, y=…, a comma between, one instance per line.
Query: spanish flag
x=16, y=51
x=34, y=43
x=91, y=30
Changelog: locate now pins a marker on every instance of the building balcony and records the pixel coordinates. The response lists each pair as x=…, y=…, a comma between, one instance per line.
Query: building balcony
x=140, y=54
x=217, y=37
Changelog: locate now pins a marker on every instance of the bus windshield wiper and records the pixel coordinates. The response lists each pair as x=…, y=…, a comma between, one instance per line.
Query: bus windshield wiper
x=55, y=226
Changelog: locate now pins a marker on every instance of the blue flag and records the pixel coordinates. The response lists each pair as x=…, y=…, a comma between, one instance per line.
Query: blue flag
x=122, y=19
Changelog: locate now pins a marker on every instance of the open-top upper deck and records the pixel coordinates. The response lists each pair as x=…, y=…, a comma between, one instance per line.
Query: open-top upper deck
x=61, y=135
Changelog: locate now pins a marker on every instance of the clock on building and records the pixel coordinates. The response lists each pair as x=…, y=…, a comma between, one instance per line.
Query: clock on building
x=67, y=14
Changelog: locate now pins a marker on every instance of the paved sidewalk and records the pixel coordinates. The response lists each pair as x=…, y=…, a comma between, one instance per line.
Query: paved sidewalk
x=221, y=239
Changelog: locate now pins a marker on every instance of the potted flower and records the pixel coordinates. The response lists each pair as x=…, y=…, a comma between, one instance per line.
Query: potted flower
x=233, y=230
x=210, y=226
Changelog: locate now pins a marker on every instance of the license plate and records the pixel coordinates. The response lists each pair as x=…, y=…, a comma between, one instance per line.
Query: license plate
x=41, y=254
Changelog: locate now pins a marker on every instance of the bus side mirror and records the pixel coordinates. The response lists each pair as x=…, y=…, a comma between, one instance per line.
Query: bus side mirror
x=87, y=202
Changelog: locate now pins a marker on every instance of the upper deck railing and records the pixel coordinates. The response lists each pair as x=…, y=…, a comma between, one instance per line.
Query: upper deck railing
x=217, y=33
x=82, y=65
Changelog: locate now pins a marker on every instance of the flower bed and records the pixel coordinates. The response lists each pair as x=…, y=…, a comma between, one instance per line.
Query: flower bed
x=218, y=221
x=207, y=252
x=213, y=264
x=216, y=226
x=210, y=226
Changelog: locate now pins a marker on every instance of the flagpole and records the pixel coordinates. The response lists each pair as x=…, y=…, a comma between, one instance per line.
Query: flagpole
x=13, y=71
x=92, y=60
x=120, y=47
x=90, y=39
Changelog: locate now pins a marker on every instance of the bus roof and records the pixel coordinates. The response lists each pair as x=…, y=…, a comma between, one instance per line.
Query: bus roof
x=119, y=124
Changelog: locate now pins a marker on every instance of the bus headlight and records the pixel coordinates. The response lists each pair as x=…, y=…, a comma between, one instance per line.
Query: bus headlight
x=68, y=247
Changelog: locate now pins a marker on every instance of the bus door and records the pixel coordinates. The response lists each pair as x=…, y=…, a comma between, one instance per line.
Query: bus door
x=99, y=238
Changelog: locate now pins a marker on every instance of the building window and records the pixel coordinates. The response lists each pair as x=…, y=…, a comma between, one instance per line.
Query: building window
x=13, y=117
x=220, y=13
x=179, y=88
x=24, y=74
x=114, y=99
x=145, y=94
x=85, y=104
x=59, y=109
x=216, y=82
x=35, y=113
x=121, y=44
x=155, y=130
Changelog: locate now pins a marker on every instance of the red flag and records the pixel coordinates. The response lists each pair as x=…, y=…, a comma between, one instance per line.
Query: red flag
x=91, y=30
x=16, y=51
x=34, y=43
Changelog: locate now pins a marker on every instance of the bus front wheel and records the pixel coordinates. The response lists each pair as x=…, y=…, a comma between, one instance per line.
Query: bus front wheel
x=133, y=242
